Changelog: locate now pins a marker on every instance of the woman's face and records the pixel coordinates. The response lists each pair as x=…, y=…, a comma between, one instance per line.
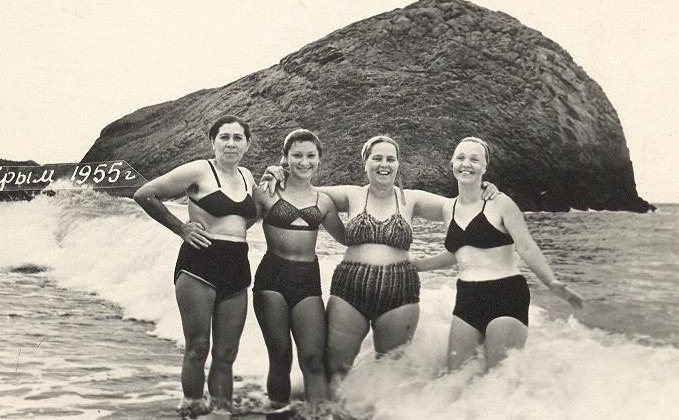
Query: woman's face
x=230, y=143
x=382, y=164
x=469, y=161
x=303, y=159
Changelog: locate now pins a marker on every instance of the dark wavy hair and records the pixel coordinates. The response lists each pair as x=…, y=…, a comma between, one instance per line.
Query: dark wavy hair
x=228, y=119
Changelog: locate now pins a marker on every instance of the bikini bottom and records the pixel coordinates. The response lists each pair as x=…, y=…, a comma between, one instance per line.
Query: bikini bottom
x=479, y=302
x=295, y=280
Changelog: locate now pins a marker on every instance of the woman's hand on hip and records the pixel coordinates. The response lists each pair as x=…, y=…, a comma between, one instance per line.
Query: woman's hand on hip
x=194, y=234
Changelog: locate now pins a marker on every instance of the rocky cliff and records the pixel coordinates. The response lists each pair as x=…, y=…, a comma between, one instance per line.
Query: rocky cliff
x=427, y=75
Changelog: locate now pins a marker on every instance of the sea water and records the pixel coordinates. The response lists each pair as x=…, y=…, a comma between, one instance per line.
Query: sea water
x=616, y=359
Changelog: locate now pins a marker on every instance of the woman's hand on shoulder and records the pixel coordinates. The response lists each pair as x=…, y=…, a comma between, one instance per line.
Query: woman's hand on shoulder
x=490, y=190
x=273, y=176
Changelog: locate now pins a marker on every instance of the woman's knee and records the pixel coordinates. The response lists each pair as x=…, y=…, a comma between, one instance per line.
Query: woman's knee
x=312, y=362
x=280, y=358
x=280, y=367
x=225, y=355
x=337, y=365
x=197, y=347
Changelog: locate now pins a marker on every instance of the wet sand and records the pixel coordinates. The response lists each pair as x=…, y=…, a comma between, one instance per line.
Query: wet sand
x=67, y=354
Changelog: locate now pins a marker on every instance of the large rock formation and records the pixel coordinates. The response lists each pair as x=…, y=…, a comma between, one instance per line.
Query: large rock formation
x=427, y=75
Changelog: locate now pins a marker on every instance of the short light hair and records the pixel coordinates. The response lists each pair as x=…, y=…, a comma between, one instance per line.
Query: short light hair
x=482, y=142
x=368, y=145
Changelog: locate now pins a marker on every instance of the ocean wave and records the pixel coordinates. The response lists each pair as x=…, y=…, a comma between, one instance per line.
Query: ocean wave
x=92, y=242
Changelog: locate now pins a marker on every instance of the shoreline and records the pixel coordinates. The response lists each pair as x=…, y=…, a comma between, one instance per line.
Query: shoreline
x=70, y=354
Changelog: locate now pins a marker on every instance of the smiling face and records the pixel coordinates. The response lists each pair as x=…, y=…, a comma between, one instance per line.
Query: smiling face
x=469, y=162
x=303, y=158
x=230, y=143
x=381, y=164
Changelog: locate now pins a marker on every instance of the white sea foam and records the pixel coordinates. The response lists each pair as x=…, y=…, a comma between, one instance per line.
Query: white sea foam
x=567, y=370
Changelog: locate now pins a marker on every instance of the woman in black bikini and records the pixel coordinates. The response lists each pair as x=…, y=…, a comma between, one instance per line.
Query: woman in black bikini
x=287, y=289
x=492, y=300
x=212, y=271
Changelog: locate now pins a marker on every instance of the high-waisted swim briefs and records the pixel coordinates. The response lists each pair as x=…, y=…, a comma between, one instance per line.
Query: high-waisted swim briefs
x=376, y=289
x=295, y=280
x=223, y=265
x=479, y=302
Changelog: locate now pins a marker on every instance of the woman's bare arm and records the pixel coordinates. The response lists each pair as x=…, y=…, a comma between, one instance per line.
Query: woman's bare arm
x=529, y=251
x=331, y=221
x=150, y=197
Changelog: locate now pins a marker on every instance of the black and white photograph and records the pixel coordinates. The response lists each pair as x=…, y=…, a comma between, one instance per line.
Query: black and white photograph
x=348, y=210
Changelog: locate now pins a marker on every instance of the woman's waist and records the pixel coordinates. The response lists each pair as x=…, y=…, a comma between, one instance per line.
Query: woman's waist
x=227, y=237
x=296, y=245
x=225, y=230
x=486, y=273
x=292, y=255
x=196, y=211
x=476, y=263
x=375, y=254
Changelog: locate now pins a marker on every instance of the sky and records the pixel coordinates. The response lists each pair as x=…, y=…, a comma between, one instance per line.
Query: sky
x=69, y=68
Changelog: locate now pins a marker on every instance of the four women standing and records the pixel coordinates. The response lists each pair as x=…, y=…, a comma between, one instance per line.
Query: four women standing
x=376, y=284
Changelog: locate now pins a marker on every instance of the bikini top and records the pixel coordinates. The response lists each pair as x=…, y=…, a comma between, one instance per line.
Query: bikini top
x=218, y=204
x=363, y=228
x=283, y=213
x=480, y=233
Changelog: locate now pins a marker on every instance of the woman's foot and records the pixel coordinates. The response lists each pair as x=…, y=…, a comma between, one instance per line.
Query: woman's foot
x=220, y=413
x=193, y=407
x=276, y=407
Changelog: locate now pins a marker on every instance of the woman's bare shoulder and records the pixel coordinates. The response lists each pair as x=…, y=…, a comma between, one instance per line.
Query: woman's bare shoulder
x=503, y=204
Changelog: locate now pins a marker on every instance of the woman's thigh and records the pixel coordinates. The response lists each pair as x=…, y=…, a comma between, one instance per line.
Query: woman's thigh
x=309, y=326
x=227, y=326
x=195, y=300
x=346, y=330
x=395, y=327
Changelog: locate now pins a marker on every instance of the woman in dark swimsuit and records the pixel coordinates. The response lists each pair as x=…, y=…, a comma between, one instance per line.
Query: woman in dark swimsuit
x=212, y=271
x=492, y=300
x=287, y=289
